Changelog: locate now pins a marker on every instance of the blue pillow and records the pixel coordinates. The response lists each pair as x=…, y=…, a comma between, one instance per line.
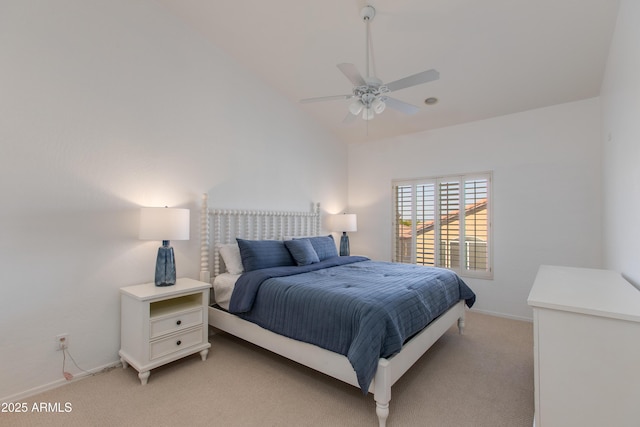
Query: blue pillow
x=302, y=251
x=324, y=246
x=258, y=254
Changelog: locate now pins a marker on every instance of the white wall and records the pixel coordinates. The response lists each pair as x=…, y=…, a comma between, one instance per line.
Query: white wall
x=621, y=146
x=106, y=106
x=546, y=191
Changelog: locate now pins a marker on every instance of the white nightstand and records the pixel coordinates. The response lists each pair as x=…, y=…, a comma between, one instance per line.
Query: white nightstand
x=163, y=324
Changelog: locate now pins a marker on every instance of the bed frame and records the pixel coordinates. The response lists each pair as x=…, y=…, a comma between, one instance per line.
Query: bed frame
x=259, y=225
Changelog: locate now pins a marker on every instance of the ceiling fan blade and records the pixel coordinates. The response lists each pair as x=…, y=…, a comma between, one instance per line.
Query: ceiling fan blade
x=401, y=106
x=326, y=98
x=352, y=74
x=416, y=79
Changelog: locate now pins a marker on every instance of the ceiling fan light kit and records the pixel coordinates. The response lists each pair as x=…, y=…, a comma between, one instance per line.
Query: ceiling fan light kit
x=369, y=92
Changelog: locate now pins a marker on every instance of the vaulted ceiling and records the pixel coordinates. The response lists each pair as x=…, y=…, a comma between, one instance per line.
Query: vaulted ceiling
x=495, y=57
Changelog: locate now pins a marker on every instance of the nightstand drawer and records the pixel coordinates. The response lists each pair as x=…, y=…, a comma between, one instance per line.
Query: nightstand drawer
x=174, y=323
x=175, y=343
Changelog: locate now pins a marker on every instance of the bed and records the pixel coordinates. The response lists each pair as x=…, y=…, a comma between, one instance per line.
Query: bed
x=247, y=299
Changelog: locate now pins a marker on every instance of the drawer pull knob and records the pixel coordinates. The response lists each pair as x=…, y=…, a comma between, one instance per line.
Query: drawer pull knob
x=179, y=322
x=179, y=342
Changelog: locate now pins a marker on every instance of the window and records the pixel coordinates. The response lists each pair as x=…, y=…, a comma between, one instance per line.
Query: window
x=444, y=222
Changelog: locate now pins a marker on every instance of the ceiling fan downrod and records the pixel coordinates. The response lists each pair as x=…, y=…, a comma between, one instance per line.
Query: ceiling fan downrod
x=367, y=13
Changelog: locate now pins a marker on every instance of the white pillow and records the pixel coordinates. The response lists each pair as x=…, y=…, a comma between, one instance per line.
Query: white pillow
x=231, y=256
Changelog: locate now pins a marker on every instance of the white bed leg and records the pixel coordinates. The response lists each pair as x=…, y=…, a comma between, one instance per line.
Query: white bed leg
x=461, y=325
x=382, y=391
x=382, y=410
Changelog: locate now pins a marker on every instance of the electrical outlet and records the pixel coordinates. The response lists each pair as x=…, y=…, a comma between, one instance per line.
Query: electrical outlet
x=62, y=342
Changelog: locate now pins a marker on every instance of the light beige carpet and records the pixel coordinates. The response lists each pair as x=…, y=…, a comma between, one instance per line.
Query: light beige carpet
x=482, y=378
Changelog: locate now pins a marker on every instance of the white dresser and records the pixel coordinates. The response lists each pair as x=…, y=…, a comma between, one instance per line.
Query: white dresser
x=586, y=348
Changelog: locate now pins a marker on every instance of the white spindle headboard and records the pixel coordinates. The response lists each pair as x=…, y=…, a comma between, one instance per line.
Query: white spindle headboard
x=222, y=226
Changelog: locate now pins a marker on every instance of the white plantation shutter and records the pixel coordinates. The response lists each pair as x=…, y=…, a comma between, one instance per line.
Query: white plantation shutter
x=449, y=228
x=425, y=216
x=444, y=222
x=404, y=209
x=476, y=194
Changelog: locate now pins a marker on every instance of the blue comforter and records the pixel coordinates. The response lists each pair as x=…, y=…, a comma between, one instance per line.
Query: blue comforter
x=360, y=308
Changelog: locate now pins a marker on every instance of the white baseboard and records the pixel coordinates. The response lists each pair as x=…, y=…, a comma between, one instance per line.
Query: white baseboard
x=506, y=316
x=58, y=383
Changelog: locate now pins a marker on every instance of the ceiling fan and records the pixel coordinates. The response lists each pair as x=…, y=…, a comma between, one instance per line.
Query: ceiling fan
x=369, y=93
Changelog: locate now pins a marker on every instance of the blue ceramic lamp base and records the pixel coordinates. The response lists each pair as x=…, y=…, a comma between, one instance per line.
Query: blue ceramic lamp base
x=344, y=244
x=165, y=266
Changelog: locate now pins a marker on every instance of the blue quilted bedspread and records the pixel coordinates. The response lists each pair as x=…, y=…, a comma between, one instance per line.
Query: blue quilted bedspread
x=360, y=308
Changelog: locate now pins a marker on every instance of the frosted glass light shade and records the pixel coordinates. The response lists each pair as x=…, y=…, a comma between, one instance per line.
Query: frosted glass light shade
x=378, y=106
x=367, y=114
x=356, y=107
x=164, y=224
x=344, y=222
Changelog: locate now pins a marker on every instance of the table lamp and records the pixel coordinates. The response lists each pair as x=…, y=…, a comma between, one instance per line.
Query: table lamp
x=164, y=224
x=344, y=223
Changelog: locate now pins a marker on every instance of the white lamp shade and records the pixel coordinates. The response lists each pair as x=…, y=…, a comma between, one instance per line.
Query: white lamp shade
x=164, y=224
x=344, y=222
